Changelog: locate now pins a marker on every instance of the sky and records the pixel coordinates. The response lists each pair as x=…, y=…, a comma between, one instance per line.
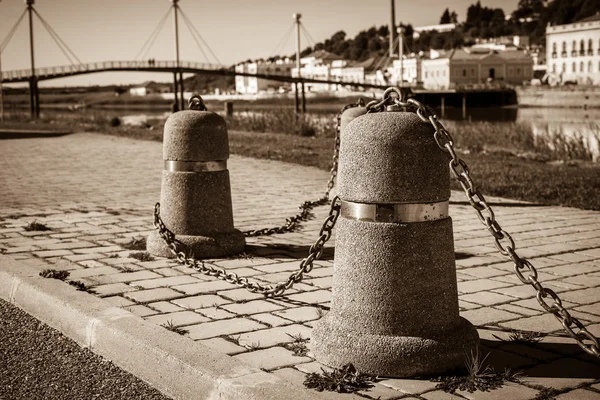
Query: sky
x=235, y=30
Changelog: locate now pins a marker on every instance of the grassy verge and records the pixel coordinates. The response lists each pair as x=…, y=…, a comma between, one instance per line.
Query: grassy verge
x=505, y=160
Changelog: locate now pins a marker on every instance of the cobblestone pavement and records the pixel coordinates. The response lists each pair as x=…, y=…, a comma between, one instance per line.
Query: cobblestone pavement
x=97, y=193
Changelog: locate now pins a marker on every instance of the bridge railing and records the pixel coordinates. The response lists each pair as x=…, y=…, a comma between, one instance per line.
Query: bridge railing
x=105, y=66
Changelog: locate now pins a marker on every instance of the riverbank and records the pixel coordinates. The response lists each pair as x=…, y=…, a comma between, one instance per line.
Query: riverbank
x=559, y=96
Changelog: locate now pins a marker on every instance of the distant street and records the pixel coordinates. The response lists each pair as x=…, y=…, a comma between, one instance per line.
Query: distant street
x=38, y=362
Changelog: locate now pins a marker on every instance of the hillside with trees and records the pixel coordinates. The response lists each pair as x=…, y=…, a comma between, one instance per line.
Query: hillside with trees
x=481, y=22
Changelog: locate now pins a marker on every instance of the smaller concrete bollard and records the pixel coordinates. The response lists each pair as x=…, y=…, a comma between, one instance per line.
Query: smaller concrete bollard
x=195, y=194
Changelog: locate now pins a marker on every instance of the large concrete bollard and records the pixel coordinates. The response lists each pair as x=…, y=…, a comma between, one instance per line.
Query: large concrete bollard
x=394, y=307
x=195, y=195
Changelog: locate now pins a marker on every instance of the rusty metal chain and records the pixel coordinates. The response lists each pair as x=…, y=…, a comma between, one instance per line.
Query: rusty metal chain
x=505, y=244
x=292, y=223
x=306, y=265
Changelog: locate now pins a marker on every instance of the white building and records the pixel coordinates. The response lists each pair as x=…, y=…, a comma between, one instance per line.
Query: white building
x=428, y=28
x=253, y=85
x=411, y=71
x=327, y=66
x=466, y=67
x=573, y=52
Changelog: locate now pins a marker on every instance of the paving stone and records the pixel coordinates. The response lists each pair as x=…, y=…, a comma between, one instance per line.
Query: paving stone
x=216, y=313
x=152, y=295
x=95, y=271
x=562, y=373
x=440, y=395
x=203, y=287
x=590, y=308
x=479, y=285
x=488, y=315
x=112, y=289
x=509, y=390
x=585, y=296
x=299, y=314
x=297, y=378
x=274, y=336
x=202, y=301
x=487, y=298
x=223, y=327
x=140, y=310
x=268, y=359
x=271, y=320
x=45, y=253
x=178, y=318
x=380, y=392
x=126, y=277
x=164, y=307
x=519, y=310
x=251, y=307
x=539, y=323
x=410, y=386
x=579, y=394
x=222, y=345
x=318, y=296
x=118, y=301
x=165, y=282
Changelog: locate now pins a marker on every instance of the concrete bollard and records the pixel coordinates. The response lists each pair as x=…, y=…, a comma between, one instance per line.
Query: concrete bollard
x=195, y=195
x=394, y=307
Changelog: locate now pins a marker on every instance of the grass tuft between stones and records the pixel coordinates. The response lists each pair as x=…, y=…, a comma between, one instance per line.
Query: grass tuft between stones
x=81, y=286
x=142, y=256
x=518, y=336
x=54, y=274
x=298, y=346
x=36, y=227
x=135, y=244
x=342, y=380
x=479, y=376
x=171, y=327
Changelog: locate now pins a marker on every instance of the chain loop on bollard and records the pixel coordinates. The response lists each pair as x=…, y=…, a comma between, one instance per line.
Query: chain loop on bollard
x=306, y=265
x=503, y=240
x=196, y=102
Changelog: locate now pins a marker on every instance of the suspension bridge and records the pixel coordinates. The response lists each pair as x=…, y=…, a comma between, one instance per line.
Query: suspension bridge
x=178, y=67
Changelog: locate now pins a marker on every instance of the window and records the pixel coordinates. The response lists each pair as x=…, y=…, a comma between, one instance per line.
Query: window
x=590, y=50
x=582, y=48
x=581, y=67
x=554, y=68
x=472, y=71
x=574, y=67
x=510, y=71
x=518, y=71
x=564, y=49
x=574, y=49
x=554, y=50
x=464, y=72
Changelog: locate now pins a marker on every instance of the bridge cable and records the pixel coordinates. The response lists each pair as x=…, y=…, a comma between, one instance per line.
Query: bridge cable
x=57, y=39
x=196, y=40
x=284, y=40
x=307, y=35
x=185, y=17
x=12, y=32
x=152, y=38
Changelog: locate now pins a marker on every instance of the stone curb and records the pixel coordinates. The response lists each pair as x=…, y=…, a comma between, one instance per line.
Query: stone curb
x=175, y=365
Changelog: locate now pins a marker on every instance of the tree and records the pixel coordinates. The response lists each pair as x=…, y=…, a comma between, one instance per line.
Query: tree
x=453, y=18
x=445, y=18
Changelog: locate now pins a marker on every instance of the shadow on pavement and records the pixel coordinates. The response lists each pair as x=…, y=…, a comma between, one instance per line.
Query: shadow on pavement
x=28, y=134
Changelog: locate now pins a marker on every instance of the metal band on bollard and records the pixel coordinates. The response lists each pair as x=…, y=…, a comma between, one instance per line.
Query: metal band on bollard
x=394, y=213
x=195, y=166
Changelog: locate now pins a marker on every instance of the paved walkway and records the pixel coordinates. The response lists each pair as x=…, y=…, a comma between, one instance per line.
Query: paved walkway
x=97, y=192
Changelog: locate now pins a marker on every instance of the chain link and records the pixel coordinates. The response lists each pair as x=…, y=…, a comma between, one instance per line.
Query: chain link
x=523, y=268
x=184, y=256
